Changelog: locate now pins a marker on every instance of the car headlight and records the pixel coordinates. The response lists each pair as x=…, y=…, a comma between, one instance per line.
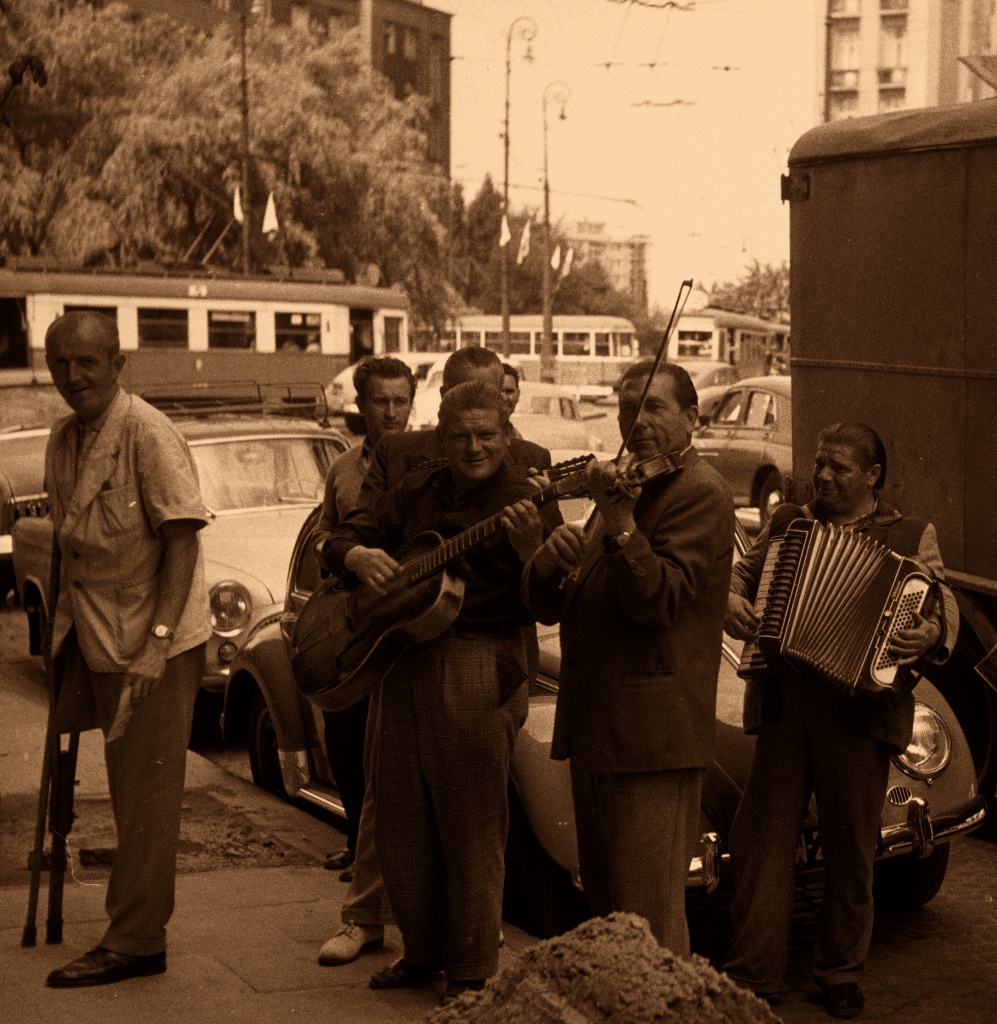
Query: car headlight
x=930, y=747
x=231, y=608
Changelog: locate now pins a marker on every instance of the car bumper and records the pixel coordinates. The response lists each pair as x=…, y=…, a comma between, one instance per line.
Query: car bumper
x=918, y=836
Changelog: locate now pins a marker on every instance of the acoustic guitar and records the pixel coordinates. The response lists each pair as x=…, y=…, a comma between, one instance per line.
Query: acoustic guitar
x=345, y=640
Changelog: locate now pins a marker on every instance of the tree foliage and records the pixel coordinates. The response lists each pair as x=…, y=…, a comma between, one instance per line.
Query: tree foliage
x=133, y=151
x=762, y=291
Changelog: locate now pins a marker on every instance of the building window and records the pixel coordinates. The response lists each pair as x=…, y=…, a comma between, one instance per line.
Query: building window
x=410, y=44
x=845, y=49
x=845, y=8
x=390, y=39
x=437, y=70
x=231, y=329
x=893, y=50
x=892, y=99
x=846, y=105
x=300, y=332
x=162, y=328
x=893, y=6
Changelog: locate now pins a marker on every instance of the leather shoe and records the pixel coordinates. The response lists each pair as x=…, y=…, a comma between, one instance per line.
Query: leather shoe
x=455, y=989
x=403, y=975
x=843, y=1001
x=339, y=860
x=103, y=967
x=348, y=943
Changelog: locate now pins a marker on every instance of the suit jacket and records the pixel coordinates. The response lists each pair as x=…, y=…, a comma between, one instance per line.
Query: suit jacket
x=641, y=632
x=395, y=455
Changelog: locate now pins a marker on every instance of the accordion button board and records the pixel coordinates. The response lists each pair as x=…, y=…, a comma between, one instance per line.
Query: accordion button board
x=829, y=601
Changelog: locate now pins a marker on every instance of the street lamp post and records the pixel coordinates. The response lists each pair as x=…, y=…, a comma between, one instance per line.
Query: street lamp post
x=560, y=94
x=526, y=28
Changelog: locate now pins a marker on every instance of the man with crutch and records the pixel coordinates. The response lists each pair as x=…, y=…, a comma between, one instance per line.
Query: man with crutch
x=129, y=625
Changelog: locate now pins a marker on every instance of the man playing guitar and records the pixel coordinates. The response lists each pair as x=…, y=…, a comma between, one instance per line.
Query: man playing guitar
x=451, y=707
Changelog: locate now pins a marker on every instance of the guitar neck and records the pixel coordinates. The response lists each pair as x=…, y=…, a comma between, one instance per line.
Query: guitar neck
x=453, y=548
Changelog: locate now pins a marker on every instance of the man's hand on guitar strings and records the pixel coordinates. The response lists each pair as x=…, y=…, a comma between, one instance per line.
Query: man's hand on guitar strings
x=523, y=524
x=372, y=566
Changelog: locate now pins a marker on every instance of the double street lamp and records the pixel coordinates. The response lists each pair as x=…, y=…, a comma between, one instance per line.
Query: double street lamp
x=525, y=28
x=558, y=93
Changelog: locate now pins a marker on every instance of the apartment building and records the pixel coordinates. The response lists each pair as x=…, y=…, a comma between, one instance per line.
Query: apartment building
x=623, y=259
x=880, y=55
x=409, y=42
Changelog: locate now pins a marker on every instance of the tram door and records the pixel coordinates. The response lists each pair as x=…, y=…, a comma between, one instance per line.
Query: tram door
x=361, y=334
x=13, y=336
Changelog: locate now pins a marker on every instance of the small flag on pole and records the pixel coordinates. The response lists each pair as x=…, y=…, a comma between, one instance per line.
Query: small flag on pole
x=506, y=236
x=524, y=243
x=566, y=269
x=555, y=260
x=270, y=223
x=237, y=206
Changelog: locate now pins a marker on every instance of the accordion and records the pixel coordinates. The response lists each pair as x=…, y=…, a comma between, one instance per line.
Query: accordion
x=829, y=601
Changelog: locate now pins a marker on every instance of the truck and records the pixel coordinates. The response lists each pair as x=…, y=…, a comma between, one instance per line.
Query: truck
x=893, y=291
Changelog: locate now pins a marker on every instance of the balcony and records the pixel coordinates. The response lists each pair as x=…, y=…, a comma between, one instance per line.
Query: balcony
x=844, y=80
x=892, y=78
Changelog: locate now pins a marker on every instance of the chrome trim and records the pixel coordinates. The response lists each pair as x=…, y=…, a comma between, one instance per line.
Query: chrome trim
x=326, y=799
x=293, y=770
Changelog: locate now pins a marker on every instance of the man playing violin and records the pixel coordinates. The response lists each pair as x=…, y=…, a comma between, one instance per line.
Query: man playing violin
x=641, y=595
x=451, y=707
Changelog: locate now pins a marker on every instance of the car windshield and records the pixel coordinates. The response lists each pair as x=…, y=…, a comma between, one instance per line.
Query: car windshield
x=261, y=472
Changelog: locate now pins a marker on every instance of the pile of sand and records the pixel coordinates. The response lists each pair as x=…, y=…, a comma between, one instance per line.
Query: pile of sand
x=609, y=970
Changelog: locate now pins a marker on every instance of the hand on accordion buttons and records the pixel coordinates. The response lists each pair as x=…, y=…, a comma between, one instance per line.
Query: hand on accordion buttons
x=741, y=622
x=911, y=643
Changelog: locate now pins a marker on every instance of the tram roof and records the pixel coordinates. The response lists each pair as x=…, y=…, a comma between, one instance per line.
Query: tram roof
x=952, y=127
x=15, y=282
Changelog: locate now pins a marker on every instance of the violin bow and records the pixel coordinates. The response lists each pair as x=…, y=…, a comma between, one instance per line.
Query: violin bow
x=594, y=520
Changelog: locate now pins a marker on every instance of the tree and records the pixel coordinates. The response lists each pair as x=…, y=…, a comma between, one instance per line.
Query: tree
x=763, y=291
x=134, y=152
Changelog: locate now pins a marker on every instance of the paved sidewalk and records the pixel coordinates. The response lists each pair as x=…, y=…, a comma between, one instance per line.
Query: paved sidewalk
x=243, y=941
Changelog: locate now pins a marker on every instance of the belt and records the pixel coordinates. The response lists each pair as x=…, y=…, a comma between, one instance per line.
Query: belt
x=482, y=631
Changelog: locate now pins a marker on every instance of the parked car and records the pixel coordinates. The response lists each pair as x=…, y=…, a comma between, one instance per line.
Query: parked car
x=749, y=440
x=260, y=476
x=22, y=472
x=708, y=373
x=932, y=796
x=341, y=395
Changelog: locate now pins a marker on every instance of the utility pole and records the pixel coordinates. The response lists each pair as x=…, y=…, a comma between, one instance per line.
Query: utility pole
x=527, y=30
x=246, y=202
x=560, y=93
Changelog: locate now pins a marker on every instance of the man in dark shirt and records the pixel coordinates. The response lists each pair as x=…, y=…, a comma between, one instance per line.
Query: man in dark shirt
x=450, y=707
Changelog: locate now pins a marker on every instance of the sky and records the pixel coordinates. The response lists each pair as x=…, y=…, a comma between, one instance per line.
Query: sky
x=699, y=176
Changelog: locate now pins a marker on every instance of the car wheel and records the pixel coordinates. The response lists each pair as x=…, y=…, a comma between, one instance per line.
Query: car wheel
x=770, y=496
x=539, y=897
x=906, y=883
x=263, y=754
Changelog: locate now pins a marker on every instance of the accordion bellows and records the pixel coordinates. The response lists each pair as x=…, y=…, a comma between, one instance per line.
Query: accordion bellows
x=828, y=601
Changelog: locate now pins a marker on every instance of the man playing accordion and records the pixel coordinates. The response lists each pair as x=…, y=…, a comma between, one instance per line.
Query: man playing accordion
x=816, y=738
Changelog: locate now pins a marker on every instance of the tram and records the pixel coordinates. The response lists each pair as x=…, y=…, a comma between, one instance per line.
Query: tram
x=185, y=328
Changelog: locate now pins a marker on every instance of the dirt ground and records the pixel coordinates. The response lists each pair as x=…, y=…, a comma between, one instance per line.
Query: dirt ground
x=211, y=836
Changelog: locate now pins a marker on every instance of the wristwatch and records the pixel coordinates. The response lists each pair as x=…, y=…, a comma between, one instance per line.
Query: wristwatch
x=162, y=632
x=613, y=544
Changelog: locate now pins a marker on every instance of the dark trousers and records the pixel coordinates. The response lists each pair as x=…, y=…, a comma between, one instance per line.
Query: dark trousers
x=344, y=743
x=637, y=832
x=450, y=712
x=145, y=775
x=819, y=747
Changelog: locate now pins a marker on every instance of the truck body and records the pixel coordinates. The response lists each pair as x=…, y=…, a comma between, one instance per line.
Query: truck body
x=893, y=255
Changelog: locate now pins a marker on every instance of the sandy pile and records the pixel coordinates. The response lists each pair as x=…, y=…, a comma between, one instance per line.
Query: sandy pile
x=612, y=971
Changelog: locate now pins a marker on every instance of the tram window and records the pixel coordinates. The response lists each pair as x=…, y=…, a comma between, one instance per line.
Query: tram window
x=602, y=343
x=469, y=339
x=519, y=342
x=231, y=329
x=108, y=311
x=575, y=343
x=162, y=328
x=624, y=344
x=392, y=334
x=298, y=332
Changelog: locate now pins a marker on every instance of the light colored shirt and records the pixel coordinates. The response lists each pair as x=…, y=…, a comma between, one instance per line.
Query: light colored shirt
x=110, y=491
